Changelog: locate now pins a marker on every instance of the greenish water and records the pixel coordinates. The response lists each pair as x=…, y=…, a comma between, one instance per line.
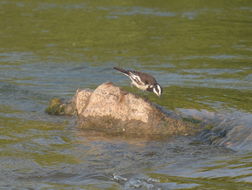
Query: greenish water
x=199, y=51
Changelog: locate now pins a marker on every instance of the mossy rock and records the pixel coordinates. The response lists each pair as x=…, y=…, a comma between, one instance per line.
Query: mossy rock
x=56, y=107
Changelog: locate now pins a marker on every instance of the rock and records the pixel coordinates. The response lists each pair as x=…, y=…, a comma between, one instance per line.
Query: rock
x=109, y=100
x=58, y=106
x=110, y=110
x=55, y=107
x=81, y=99
x=114, y=111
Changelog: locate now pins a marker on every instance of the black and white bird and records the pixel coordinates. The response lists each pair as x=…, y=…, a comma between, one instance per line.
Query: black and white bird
x=142, y=81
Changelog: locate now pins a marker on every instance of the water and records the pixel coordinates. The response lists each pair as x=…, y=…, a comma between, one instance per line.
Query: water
x=199, y=51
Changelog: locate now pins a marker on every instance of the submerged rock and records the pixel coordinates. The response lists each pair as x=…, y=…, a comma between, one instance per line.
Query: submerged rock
x=114, y=111
x=233, y=131
x=57, y=106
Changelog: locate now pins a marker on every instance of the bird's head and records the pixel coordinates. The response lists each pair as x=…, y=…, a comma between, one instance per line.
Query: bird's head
x=157, y=89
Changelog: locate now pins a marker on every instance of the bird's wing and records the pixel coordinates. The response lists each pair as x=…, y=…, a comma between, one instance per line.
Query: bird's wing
x=145, y=78
x=135, y=77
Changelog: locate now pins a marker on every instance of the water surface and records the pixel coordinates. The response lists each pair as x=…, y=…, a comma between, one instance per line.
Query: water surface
x=200, y=52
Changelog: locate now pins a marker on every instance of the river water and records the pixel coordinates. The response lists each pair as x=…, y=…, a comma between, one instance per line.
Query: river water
x=199, y=51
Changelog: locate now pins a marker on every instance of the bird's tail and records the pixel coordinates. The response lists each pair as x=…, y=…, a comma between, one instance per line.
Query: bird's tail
x=121, y=70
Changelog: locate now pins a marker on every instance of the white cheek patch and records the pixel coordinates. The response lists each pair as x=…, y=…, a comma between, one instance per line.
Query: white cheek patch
x=159, y=90
x=154, y=90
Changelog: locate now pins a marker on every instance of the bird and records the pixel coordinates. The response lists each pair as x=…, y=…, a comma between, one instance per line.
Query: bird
x=141, y=80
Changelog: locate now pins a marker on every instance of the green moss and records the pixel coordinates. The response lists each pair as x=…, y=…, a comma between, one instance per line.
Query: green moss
x=56, y=107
